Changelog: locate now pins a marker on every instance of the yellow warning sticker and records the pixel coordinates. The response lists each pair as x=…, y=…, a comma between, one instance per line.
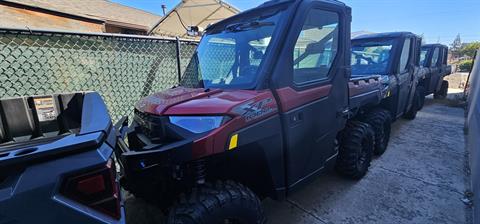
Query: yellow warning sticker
x=233, y=142
x=45, y=107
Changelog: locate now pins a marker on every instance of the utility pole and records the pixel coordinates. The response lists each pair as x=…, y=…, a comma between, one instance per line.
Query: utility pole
x=164, y=9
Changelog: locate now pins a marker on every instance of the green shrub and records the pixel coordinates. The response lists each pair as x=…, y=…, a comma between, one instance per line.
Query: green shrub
x=465, y=65
x=470, y=49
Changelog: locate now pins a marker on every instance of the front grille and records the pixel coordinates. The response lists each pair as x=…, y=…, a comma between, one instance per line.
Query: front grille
x=152, y=126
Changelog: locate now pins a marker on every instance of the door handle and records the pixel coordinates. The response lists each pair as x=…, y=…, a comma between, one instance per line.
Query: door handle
x=297, y=117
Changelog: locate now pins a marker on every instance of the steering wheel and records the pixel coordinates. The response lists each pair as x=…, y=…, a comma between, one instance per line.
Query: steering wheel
x=369, y=60
x=247, y=74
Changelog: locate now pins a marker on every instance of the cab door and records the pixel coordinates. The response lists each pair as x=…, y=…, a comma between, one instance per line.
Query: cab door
x=310, y=84
x=435, y=69
x=405, y=74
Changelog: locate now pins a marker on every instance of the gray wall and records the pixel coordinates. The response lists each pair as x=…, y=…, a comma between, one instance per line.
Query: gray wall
x=473, y=125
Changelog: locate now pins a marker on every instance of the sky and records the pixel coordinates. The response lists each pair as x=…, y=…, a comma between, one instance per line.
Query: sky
x=439, y=21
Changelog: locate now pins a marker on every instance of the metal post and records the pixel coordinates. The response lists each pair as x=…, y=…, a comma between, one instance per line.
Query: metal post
x=164, y=9
x=179, y=70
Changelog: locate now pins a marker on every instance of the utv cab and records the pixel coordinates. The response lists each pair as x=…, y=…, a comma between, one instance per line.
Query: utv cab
x=434, y=58
x=395, y=57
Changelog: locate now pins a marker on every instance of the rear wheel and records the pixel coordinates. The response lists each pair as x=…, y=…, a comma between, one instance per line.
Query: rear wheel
x=442, y=93
x=223, y=202
x=356, y=150
x=380, y=120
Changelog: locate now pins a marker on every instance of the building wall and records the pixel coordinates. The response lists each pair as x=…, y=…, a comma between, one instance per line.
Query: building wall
x=473, y=126
x=16, y=17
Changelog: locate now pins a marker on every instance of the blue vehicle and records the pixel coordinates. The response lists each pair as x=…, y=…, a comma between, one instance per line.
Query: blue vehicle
x=56, y=160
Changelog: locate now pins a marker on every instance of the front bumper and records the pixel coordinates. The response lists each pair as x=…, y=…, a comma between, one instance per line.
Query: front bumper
x=153, y=155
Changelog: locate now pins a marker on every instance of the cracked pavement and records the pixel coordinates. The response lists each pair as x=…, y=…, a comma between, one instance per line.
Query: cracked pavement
x=421, y=178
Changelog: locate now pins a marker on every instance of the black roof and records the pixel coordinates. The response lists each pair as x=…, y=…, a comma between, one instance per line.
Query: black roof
x=385, y=35
x=271, y=2
x=435, y=45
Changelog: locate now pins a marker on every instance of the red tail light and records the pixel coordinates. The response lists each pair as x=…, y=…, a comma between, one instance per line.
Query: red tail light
x=96, y=189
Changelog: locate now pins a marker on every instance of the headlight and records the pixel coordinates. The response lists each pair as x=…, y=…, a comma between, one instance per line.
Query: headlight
x=198, y=124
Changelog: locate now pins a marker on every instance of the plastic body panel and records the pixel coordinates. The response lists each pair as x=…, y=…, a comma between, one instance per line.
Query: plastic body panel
x=31, y=195
x=30, y=180
x=310, y=126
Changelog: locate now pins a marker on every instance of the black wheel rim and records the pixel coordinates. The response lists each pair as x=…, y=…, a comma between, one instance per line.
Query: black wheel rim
x=381, y=138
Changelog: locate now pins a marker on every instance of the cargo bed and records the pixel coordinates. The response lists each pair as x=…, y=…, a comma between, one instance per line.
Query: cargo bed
x=38, y=127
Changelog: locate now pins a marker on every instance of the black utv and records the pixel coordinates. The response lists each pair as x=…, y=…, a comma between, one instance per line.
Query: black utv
x=395, y=57
x=434, y=58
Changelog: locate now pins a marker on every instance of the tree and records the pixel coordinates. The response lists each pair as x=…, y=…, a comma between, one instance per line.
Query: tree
x=457, y=43
x=456, y=46
x=470, y=49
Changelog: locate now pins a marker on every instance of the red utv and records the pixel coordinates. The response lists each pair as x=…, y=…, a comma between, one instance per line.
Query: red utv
x=266, y=104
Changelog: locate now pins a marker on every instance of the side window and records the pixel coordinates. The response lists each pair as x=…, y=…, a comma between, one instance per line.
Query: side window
x=404, y=58
x=445, y=56
x=423, y=57
x=435, y=57
x=316, y=46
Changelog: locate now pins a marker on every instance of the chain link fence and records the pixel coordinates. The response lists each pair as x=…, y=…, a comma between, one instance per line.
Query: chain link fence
x=122, y=68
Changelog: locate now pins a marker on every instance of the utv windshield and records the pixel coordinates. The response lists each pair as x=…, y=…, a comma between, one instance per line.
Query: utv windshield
x=371, y=57
x=231, y=56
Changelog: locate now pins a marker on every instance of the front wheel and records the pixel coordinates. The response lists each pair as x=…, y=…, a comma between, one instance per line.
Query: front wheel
x=223, y=202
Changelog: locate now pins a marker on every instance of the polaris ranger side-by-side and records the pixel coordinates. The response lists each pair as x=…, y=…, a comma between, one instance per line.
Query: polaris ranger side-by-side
x=266, y=104
x=56, y=162
x=434, y=57
x=396, y=57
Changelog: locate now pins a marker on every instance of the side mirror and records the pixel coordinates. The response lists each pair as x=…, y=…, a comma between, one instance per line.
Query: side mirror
x=195, y=31
x=313, y=48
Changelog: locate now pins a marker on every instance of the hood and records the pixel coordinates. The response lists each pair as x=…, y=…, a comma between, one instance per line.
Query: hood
x=189, y=101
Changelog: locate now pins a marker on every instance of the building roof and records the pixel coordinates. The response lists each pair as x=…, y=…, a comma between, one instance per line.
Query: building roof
x=103, y=10
x=199, y=13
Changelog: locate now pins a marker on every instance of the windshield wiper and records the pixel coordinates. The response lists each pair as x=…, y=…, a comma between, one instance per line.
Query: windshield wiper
x=248, y=25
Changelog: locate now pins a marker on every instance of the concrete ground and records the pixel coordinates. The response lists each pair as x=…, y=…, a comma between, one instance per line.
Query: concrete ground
x=457, y=80
x=421, y=178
